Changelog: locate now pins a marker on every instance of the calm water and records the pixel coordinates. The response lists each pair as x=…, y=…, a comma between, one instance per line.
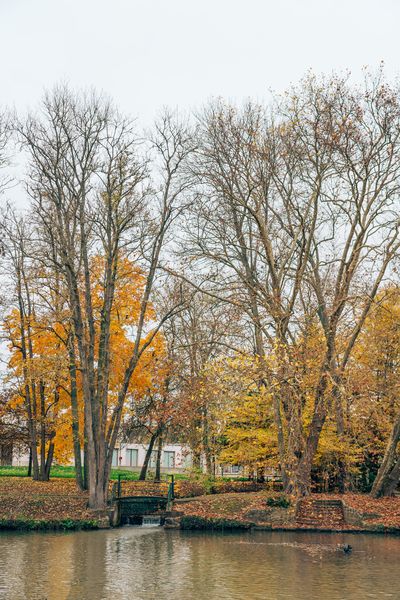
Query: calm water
x=151, y=563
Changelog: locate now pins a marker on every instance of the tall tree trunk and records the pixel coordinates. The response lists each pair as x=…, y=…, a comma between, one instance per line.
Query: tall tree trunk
x=75, y=415
x=85, y=458
x=196, y=459
x=392, y=480
x=42, y=475
x=34, y=454
x=340, y=430
x=49, y=461
x=206, y=443
x=385, y=483
x=143, y=471
x=29, y=397
x=30, y=463
x=281, y=437
x=157, y=476
x=299, y=480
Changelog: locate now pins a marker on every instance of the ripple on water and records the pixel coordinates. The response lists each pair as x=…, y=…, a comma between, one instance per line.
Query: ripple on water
x=151, y=563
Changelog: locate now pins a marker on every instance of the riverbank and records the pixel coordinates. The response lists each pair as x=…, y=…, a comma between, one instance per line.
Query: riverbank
x=58, y=504
x=34, y=505
x=263, y=510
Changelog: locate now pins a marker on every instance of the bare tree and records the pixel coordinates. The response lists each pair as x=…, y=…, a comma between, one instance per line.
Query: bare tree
x=357, y=236
x=5, y=134
x=5, y=180
x=297, y=204
x=91, y=194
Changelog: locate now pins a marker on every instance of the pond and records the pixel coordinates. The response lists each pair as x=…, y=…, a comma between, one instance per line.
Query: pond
x=152, y=563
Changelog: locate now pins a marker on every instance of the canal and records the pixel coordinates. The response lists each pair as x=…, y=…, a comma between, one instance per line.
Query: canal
x=153, y=563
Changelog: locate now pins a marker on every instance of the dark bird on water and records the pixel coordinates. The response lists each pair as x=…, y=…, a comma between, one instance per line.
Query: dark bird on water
x=347, y=548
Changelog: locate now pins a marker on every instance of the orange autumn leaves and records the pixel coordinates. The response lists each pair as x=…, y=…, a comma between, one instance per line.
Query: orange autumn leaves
x=46, y=362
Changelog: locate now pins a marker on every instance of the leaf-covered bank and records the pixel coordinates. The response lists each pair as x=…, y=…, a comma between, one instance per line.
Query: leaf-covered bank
x=279, y=511
x=35, y=505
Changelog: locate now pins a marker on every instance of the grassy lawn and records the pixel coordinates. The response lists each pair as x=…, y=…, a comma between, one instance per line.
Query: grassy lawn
x=68, y=472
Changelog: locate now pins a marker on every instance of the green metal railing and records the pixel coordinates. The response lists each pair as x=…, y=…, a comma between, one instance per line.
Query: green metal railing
x=140, y=505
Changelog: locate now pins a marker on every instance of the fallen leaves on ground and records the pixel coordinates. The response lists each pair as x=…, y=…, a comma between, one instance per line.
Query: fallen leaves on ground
x=382, y=511
x=378, y=511
x=60, y=499
x=23, y=499
x=232, y=505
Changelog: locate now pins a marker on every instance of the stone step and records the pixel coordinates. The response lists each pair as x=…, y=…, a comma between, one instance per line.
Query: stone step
x=313, y=520
x=311, y=502
x=319, y=507
x=304, y=519
x=313, y=512
x=322, y=509
x=314, y=515
x=322, y=517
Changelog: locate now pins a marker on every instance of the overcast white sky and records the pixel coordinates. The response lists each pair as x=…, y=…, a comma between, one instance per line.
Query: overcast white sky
x=147, y=54
x=150, y=53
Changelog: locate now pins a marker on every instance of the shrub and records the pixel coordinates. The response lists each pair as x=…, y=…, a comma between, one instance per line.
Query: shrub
x=280, y=501
x=196, y=522
x=43, y=525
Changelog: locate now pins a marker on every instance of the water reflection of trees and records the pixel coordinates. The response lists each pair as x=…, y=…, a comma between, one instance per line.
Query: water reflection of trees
x=148, y=564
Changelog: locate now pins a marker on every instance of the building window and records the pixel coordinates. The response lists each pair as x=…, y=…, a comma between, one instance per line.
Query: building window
x=132, y=457
x=231, y=469
x=168, y=459
x=115, y=458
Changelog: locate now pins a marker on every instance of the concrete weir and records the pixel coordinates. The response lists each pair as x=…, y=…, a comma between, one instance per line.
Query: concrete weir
x=138, y=510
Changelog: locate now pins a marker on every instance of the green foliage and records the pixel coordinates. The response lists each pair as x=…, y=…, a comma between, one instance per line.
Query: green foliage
x=68, y=472
x=219, y=524
x=279, y=501
x=198, y=477
x=6, y=471
x=44, y=525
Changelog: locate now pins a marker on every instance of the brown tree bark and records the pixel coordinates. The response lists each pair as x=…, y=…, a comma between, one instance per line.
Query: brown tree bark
x=157, y=476
x=388, y=476
x=143, y=471
x=92, y=193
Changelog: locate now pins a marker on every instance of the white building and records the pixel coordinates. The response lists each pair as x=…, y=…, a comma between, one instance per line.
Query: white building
x=175, y=458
